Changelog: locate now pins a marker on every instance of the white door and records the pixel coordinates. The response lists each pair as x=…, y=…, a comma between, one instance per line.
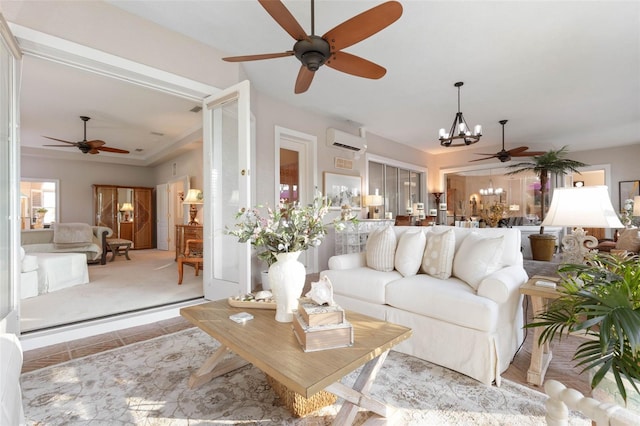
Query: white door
x=162, y=216
x=227, y=187
x=10, y=62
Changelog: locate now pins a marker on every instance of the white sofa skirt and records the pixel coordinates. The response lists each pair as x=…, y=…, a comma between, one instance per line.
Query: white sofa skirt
x=61, y=270
x=478, y=354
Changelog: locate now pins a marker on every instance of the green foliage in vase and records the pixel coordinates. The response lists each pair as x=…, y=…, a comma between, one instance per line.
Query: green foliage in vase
x=292, y=227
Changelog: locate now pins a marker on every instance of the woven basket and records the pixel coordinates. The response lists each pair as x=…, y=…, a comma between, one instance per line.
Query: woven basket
x=298, y=404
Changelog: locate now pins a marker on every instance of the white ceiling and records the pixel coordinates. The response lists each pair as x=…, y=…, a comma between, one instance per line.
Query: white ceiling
x=562, y=73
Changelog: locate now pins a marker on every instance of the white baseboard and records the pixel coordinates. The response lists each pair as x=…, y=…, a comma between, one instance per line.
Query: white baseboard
x=39, y=339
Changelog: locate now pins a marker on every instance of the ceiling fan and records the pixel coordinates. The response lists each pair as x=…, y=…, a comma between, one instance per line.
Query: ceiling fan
x=505, y=155
x=88, y=147
x=314, y=51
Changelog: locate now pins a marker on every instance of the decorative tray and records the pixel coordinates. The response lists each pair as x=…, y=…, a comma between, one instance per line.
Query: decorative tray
x=248, y=301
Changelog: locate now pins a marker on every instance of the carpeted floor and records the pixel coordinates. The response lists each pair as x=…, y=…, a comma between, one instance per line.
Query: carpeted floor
x=146, y=383
x=149, y=279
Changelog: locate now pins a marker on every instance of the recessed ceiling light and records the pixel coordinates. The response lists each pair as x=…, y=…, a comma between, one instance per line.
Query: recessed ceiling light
x=157, y=134
x=196, y=109
x=139, y=149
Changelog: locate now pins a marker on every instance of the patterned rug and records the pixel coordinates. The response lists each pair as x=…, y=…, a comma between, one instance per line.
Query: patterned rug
x=146, y=383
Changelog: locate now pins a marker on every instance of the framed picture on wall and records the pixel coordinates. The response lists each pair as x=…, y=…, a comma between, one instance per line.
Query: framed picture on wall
x=343, y=190
x=628, y=190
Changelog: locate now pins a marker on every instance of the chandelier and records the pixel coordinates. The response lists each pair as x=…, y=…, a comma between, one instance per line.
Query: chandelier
x=491, y=190
x=459, y=129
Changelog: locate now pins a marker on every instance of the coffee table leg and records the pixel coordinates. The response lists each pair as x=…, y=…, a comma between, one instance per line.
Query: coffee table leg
x=358, y=395
x=215, y=366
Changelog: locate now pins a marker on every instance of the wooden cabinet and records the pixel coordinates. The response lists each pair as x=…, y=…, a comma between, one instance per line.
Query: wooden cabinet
x=136, y=224
x=184, y=233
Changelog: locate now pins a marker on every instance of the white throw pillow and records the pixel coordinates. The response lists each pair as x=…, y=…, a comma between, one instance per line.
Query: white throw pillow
x=381, y=248
x=438, y=256
x=477, y=257
x=409, y=252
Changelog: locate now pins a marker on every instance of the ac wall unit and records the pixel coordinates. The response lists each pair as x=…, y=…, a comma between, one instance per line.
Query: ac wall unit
x=339, y=139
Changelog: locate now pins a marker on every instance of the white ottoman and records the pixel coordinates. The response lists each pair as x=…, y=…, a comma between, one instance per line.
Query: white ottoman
x=61, y=270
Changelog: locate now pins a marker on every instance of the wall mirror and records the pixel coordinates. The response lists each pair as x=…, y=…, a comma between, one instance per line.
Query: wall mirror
x=39, y=202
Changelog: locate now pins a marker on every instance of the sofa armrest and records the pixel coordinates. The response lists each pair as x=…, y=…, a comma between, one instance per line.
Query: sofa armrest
x=347, y=261
x=500, y=285
x=101, y=233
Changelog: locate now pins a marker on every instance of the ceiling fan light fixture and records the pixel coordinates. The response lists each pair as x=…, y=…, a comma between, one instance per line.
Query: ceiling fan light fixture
x=460, y=133
x=312, y=52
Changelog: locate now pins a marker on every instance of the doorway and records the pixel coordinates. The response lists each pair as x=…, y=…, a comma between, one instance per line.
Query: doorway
x=296, y=175
x=92, y=61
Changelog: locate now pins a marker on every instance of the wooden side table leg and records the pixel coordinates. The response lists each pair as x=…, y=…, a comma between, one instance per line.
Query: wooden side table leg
x=114, y=252
x=126, y=251
x=540, y=355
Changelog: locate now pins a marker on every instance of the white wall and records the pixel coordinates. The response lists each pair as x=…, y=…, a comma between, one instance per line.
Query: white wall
x=76, y=178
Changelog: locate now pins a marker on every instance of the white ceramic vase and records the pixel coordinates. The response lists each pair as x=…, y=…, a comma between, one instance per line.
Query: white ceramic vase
x=286, y=277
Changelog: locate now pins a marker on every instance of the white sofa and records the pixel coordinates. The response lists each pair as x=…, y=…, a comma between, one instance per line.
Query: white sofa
x=11, y=411
x=473, y=331
x=44, y=241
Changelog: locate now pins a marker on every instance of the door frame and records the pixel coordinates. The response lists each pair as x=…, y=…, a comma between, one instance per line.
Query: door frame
x=10, y=234
x=45, y=46
x=289, y=139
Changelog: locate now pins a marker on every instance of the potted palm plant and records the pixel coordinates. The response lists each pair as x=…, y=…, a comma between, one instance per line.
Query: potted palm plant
x=601, y=300
x=551, y=162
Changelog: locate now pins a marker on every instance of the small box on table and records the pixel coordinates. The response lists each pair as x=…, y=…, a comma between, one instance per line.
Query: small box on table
x=314, y=314
x=320, y=337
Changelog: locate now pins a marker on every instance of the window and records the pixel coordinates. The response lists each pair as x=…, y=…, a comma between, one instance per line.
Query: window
x=401, y=185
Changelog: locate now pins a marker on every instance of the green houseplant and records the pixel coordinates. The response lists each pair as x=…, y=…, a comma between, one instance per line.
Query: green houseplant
x=600, y=299
x=551, y=162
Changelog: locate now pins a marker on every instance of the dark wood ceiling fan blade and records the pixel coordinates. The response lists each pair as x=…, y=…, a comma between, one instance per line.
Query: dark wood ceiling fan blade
x=355, y=65
x=62, y=146
x=363, y=25
x=485, y=158
x=528, y=154
x=305, y=77
x=284, y=18
x=516, y=151
x=109, y=149
x=93, y=151
x=258, y=57
x=59, y=140
x=95, y=143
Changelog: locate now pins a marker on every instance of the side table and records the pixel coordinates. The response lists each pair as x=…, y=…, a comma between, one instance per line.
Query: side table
x=540, y=355
x=115, y=244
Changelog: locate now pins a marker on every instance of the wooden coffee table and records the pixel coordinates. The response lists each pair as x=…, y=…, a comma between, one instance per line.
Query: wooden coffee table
x=272, y=347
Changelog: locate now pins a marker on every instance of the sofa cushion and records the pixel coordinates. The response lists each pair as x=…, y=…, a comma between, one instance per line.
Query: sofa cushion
x=361, y=283
x=438, y=256
x=409, y=252
x=72, y=235
x=381, y=249
x=477, y=257
x=629, y=240
x=451, y=300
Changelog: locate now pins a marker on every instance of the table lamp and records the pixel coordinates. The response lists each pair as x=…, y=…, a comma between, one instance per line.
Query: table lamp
x=373, y=202
x=127, y=208
x=194, y=197
x=588, y=206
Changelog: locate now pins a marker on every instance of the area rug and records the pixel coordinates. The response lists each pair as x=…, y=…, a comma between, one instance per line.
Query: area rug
x=146, y=383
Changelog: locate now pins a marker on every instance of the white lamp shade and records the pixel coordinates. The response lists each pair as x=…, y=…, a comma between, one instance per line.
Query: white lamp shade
x=194, y=196
x=589, y=206
x=374, y=200
x=636, y=206
x=126, y=207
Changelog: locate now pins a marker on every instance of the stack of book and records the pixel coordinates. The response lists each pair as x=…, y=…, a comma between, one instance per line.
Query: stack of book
x=319, y=327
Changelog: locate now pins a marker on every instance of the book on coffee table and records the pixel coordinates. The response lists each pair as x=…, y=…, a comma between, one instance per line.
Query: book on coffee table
x=321, y=337
x=314, y=314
